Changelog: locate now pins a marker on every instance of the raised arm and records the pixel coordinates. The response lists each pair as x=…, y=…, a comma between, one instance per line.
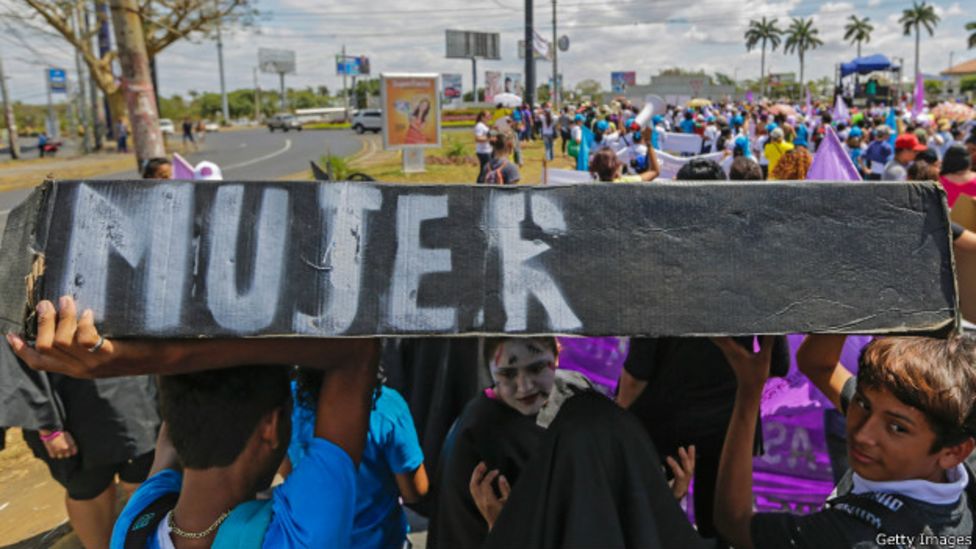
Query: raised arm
x=818, y=358
x=71, y=345
x=653, y=168
x=346, y=396
x=733, y=491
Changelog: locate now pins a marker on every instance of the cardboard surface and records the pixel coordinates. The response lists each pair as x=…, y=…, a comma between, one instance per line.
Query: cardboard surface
x=179, y=259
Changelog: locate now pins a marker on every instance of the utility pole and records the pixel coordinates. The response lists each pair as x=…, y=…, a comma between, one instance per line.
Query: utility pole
x=96, y=117
x=345, y=92
x=136, y=80
x=53, y=126
x=82, y=96
x=474, y=79
x=220, y=63
x=8, y=115
x=529, y=56
x=554, y=93
x=257, y=97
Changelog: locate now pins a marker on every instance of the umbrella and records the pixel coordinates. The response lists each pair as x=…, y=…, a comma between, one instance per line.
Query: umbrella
x=699, y=102
x=954, y=111
x=507, y=100
x=782, y=108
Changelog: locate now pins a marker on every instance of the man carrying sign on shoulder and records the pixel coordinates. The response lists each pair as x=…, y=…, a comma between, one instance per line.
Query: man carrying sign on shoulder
x=226, y=408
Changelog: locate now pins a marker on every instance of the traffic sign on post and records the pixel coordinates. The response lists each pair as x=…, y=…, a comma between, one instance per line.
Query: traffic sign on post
x=57, y=80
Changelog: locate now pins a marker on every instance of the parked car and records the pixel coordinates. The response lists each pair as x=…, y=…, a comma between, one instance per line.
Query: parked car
x=285, y=122
x=211, y=126
x=166, y=126
x=368, y=120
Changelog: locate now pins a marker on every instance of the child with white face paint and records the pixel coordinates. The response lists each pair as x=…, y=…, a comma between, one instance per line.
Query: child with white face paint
x=524, y=371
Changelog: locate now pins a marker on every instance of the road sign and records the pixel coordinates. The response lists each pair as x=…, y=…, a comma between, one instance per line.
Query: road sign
x=57, y=80
x=468, y=45
x=276, y=61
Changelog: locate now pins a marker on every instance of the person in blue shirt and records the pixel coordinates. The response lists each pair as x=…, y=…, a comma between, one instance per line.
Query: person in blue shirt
x=392, y=466
x=227, y=423
x=688, y=124
x=878, y=153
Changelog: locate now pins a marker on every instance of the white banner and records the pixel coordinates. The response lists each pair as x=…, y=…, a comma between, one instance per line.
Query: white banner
x=681, y=142
x=671, y=164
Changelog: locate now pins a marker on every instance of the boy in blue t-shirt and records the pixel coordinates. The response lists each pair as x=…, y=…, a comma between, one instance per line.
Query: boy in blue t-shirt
x=392, y=465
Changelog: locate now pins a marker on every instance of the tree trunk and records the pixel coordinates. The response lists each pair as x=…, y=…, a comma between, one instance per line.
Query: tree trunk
x=801, y=69
x=917, y=37
x=137, y=81
x=762, y=70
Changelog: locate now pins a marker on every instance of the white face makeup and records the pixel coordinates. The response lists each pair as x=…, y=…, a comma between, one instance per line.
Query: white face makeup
x=524, y=371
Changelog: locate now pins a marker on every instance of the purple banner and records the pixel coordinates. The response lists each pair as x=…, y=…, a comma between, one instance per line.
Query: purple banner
x=601, y=359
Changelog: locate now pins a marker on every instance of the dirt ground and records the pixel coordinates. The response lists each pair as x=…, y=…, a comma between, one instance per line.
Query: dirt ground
x=32, y=511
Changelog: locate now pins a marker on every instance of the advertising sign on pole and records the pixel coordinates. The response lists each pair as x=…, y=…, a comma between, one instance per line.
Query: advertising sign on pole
x=621, y=80
x=411, y=110
x=513, y=83
x=452, y=90
x=351, y=65
x=493, y=85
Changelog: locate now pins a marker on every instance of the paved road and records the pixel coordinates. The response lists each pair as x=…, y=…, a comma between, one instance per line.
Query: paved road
x=248, y=155
x=259, y=154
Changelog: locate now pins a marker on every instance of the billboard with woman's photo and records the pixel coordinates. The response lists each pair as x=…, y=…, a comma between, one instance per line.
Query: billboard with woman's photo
x=411, y=110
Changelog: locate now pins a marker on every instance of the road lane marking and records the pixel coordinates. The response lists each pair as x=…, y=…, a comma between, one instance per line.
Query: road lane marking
x=282, y=150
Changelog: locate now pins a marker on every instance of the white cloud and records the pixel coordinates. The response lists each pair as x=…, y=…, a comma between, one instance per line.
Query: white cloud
x=408, y=35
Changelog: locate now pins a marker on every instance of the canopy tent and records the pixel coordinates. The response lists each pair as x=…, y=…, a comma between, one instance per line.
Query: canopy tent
x=864, y=65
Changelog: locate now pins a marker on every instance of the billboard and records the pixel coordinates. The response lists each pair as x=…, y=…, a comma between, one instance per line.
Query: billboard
x=451, y=88
x=352, y=65
x=411, y=110
x=57, y=81
x=493, y=85
x=468, y=45
x=276, y=61
x=513, y=83
x=621, y=80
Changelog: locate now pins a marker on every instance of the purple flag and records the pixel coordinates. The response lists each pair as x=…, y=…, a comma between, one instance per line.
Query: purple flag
x=840, y=110
x=919, y=101
x=749, y=96
x=832, y=163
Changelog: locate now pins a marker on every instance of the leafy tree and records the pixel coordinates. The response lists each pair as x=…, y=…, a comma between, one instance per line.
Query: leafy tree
x=801, y=37
x=913, y=19
x=760, y=33
x=164, y=22
x=858, y=31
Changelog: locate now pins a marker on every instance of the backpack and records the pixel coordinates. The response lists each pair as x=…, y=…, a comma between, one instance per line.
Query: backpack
x=496, y=176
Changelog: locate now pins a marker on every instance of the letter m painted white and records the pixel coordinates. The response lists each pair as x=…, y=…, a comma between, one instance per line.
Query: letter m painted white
x=157, y=240
x=522, y=273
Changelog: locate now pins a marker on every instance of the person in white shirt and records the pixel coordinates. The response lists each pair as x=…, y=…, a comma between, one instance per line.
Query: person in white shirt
x=482, y=147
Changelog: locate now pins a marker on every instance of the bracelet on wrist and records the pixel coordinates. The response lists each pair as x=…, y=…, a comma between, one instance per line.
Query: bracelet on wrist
x=51, y=436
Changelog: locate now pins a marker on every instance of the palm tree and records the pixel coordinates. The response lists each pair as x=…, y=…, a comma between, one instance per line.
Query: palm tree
x=915, y=17
x=858, y=31
x=763, y=31
x=971, y=26
x=801, y=37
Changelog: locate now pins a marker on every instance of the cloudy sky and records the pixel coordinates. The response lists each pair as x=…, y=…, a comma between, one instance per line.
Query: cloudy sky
x=640, y=35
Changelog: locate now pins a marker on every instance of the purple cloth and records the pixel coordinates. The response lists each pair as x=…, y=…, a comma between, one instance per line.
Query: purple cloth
x=600, y=359
x=841, y=114
x=919, y=102
x=832, y=163
x=749, y=97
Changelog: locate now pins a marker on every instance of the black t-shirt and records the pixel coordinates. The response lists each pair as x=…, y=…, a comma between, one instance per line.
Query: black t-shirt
x=835, y=528
x=690, y=388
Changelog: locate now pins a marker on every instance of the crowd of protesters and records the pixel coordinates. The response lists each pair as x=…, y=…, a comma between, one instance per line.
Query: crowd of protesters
x=293, y=442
